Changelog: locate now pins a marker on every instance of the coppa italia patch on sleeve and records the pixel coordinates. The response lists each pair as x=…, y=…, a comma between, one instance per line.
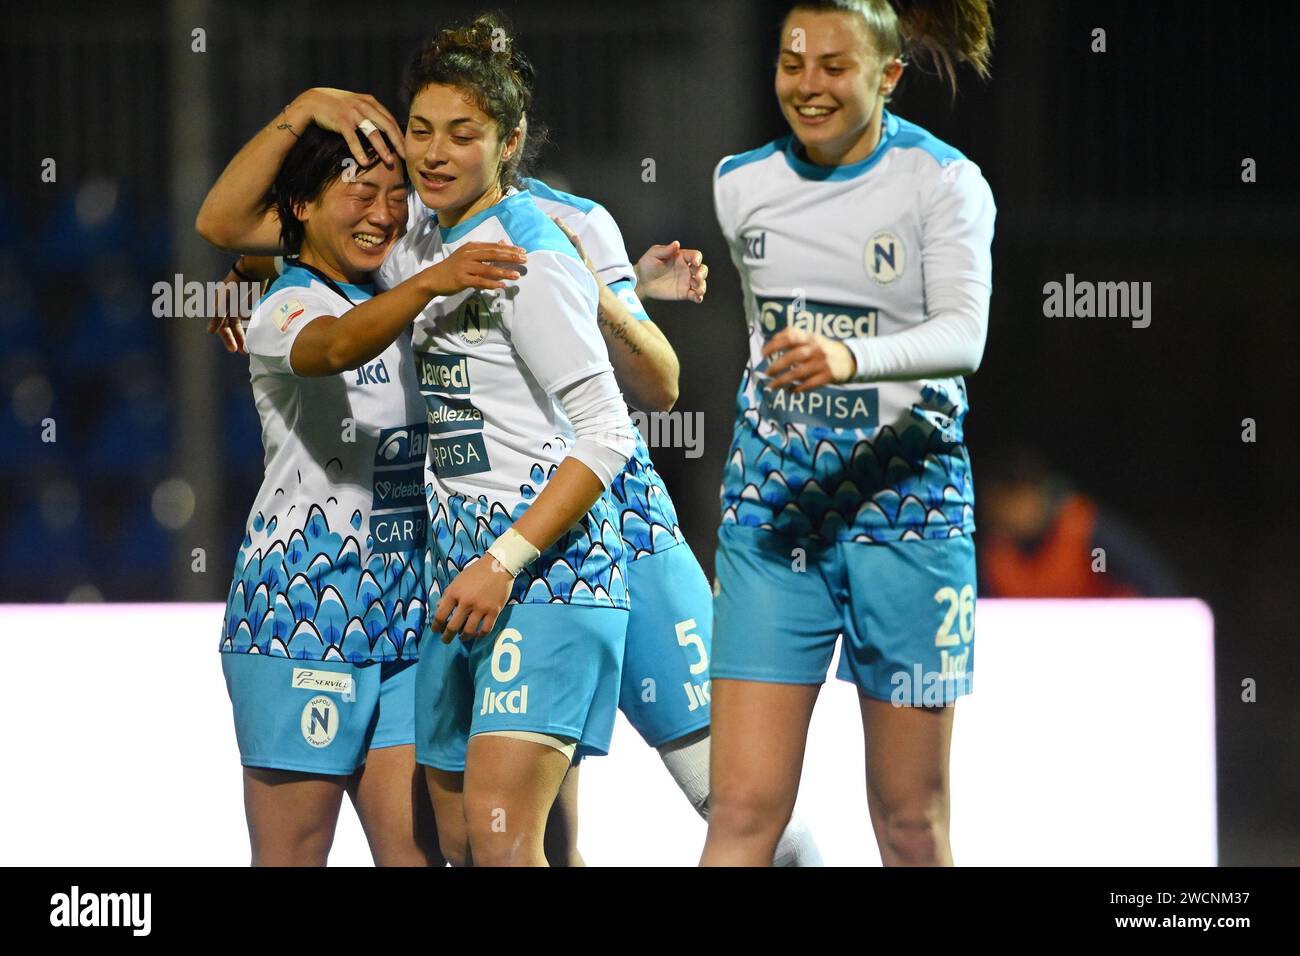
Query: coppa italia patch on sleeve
x=287, y=312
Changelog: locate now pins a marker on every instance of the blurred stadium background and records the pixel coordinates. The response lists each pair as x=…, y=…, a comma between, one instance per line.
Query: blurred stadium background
x=1122, y=166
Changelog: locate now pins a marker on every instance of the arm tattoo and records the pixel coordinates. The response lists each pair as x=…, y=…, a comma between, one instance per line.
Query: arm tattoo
x=286, y=124
x=616, y=331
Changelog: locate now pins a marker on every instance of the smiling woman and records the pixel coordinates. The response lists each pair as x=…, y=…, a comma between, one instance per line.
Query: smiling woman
x=527, y=563
x=327, y=599
x=862, y=243
x=320, y=178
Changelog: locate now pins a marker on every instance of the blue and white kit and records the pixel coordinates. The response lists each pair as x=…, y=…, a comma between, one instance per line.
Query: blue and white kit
x=889, y=255
x=665, y=692
x=331, y=569
x=493, y=366
x=665, y=680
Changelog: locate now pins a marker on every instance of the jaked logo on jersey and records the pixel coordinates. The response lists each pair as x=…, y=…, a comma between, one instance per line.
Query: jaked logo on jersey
x=441, y=377
x=831, y=406
x=823, y=318
x=443, y=373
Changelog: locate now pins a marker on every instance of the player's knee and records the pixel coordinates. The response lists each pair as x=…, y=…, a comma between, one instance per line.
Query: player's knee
x=495, y=835
x=454, y=845
x=305, y=848
x=747, y=812
x=915, y=834
x=498, y=848
x=402, y=849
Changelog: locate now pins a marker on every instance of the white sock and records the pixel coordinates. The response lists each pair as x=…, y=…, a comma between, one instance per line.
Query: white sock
x=687, y=760
x=797, y=846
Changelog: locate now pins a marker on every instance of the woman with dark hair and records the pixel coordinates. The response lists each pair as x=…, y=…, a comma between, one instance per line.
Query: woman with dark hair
x=328, y=601
x=527, y=431
x=862, y=244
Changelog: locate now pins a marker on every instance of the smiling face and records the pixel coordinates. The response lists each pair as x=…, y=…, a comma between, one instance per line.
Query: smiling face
x=454, y=152
x=831, y=84
x=350, y=227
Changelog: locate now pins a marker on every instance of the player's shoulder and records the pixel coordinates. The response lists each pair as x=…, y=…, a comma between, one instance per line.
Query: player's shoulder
x=546, y=196
x=917, y=140
x=294, y=284
x=584, y=216
x=294, y=298
x=528, y=226
x=750, y=162
x=930, y=159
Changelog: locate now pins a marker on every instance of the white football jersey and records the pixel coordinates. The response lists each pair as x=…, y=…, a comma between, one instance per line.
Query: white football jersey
x=849, y=251
x=489, y=364
x=332, y=562
x=647, y=517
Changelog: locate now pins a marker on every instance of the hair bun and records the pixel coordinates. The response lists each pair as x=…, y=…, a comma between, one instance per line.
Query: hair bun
x=486, y=34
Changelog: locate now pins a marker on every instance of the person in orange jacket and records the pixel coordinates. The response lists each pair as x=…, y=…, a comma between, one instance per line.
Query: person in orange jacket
x=1040, y=537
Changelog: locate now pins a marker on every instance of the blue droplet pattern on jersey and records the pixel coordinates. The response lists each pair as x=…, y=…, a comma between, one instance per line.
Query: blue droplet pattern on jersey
x=586, y=566
x=896, y=483
x=305, y=595
x=647, y=515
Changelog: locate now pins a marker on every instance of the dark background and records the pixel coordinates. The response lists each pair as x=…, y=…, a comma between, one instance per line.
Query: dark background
x=1115, y=166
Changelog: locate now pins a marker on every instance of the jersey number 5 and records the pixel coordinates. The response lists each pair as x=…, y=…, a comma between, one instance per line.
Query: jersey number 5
x=688, y=639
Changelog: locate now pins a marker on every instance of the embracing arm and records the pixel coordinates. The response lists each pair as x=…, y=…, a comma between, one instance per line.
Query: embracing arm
x=234, y=215
x=644, y=360
x=332, y=344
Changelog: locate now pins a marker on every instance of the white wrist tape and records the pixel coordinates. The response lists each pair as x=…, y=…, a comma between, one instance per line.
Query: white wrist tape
x=514, y=552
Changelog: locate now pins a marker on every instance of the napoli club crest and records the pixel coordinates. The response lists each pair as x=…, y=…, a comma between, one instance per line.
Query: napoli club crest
x=885, y=257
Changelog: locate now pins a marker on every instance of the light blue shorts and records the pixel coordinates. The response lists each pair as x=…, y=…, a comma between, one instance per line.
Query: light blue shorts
x=906, y=610
x=547, y=668
x=318, y=716
x=665, y=691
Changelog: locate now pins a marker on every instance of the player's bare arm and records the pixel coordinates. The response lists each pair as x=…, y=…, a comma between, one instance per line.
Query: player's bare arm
x=234, y=214
x=644, y=362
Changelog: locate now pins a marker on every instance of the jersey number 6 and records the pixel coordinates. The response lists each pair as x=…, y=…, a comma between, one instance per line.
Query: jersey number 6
x=506, y=646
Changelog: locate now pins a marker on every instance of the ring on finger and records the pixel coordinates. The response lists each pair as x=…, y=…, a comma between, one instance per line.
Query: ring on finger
x=367, y=127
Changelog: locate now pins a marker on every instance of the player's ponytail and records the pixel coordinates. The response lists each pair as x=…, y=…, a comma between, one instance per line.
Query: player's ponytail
x=947, y=32
x=941, y=32
x=482, y=58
